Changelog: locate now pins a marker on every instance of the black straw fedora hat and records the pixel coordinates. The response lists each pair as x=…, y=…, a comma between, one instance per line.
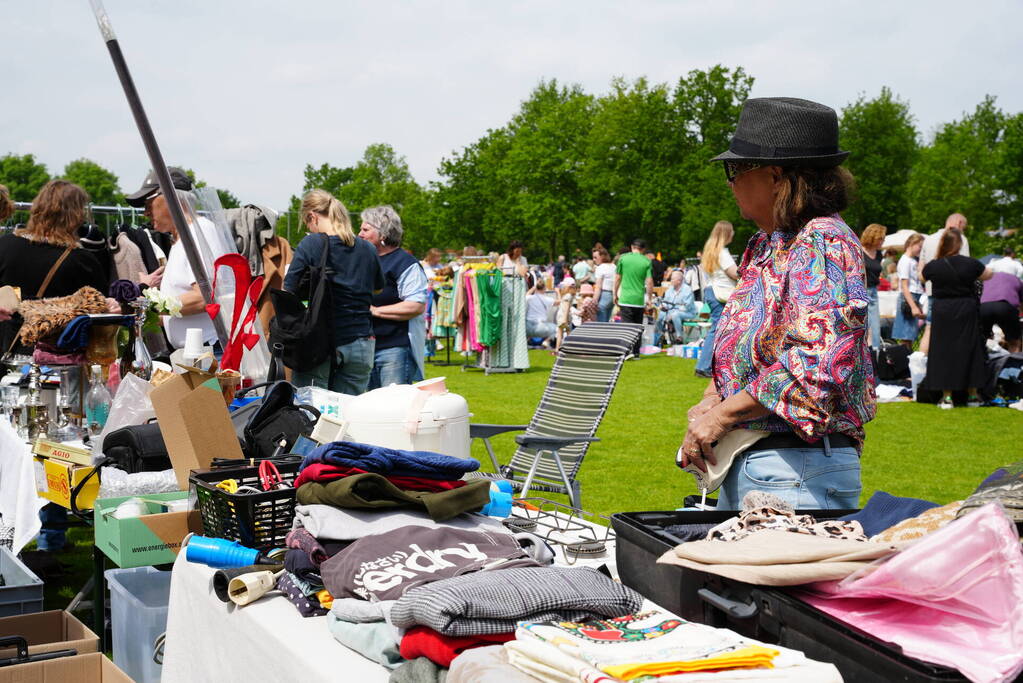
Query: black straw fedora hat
x=785, y=131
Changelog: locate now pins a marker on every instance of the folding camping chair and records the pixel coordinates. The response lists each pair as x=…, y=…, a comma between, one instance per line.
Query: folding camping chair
x=573, y=403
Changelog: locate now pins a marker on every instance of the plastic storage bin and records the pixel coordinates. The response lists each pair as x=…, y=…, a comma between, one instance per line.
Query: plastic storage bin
x=22, y=591
x=768, y=614
x=138, y=615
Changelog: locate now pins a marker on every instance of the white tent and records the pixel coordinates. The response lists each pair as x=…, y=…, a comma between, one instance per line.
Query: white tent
x=897, y=240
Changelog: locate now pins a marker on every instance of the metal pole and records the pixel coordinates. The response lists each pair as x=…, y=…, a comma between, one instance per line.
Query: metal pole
x=156, y=159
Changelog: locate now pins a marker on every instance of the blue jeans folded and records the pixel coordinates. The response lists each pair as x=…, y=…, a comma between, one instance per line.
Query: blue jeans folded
x=821, y=478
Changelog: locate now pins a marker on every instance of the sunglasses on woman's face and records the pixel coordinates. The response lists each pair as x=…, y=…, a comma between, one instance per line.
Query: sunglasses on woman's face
x=734, y=169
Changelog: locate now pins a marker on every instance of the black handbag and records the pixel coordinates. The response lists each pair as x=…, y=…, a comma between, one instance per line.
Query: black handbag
x=891, y=362
x=274, y=426
x=137, y=448
x=304, y=332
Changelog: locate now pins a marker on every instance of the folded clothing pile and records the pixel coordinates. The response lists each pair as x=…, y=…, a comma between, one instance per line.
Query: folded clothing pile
x=301, y=582
x=494, y=602
x=360, y=476
x=651, y=645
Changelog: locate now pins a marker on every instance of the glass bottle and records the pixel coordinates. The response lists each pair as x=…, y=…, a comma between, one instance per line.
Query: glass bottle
x=136, y=359
x=97, y=402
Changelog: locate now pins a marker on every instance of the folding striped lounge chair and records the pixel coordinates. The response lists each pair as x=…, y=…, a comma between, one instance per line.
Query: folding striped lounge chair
x=556, y=440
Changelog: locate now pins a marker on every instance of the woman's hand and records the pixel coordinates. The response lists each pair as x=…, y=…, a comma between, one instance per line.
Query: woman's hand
x=917, y=312
x=5, y=314
x=113, y=306
x=697, y=446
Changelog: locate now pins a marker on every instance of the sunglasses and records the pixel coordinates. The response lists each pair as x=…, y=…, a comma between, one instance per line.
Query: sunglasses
x=734, y=169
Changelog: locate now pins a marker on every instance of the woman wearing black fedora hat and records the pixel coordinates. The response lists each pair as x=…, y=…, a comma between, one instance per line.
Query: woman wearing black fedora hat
x=791, y=361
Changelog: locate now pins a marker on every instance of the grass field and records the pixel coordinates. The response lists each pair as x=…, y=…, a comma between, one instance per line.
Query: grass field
x=911, y=450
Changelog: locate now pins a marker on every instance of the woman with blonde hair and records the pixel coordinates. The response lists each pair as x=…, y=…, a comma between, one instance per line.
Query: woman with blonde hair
x=722, y=274
x=870, y=242
x=355, y=275
x=908, y=313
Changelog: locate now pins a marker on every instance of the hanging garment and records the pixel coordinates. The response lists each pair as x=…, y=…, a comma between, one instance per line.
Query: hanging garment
x=277, y=254
x=511, y=351
x=490, y=288
x=252, y=227
x=128, y=263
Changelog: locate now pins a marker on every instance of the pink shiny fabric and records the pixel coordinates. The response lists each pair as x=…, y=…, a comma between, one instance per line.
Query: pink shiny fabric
x=955, y=597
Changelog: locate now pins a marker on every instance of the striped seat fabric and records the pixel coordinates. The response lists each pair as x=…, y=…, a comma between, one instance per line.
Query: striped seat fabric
x=573, y=404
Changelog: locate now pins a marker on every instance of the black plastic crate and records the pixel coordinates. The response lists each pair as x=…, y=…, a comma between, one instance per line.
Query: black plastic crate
x=256, y=520
x=765, y=613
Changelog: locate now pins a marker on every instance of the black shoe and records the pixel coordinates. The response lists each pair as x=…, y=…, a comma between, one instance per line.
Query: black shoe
x=704, y=374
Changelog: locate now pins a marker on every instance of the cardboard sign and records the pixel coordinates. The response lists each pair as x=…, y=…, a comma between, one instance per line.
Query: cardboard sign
x=195, y=424
x=57, y=479
x=60, y=451
x=147, y=540
x=47, y=632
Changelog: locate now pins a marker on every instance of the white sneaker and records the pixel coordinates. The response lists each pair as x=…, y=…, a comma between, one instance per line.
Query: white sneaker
x=945, y=404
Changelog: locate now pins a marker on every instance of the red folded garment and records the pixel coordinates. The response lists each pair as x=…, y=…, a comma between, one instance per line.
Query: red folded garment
x=322, y=473
x=421, y=641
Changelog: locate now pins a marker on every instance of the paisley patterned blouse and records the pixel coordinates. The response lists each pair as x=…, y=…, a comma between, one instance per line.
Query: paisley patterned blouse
x=793, y=333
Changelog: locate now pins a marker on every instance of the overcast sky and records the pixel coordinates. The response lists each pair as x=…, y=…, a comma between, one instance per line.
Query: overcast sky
x=248, y=92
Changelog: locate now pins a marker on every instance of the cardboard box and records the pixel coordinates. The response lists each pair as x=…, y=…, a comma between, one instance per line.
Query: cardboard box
x=47, y=632
x=195, y=424
x=90, y=668
x=147, y=540
x=56, y=479
x=62, y=452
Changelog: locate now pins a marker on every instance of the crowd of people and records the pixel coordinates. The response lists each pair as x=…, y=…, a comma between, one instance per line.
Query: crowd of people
x=804, y=300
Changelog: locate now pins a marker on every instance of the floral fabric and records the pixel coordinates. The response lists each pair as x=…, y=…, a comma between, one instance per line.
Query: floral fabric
x=793, y=334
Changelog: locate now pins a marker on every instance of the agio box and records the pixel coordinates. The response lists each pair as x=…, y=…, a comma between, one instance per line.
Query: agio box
x=55, y=479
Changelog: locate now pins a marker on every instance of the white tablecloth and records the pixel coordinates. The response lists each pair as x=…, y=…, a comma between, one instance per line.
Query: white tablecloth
x=269, y=640
x=265, y=641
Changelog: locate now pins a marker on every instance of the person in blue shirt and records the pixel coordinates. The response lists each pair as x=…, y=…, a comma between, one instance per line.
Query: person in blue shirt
x=397, y=311
x=355, y=276
x=677, y=305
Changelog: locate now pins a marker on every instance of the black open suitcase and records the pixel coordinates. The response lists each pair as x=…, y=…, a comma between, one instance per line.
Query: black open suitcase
x=766, y=613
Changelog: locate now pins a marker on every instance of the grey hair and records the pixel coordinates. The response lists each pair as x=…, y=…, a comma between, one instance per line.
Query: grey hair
x=387, y=222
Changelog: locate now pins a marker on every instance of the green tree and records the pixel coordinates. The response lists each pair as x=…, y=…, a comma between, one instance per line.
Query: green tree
x=101, y=184
x=23, y=176
x=1011, y=173
x=960, y=171
x=543, y=166
x=708, y=104
x=882, y=138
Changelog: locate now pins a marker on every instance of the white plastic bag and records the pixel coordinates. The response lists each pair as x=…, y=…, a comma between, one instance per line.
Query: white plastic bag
x=131, y=406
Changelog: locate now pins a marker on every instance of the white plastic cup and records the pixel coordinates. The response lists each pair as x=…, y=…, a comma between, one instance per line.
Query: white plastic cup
x=193, y=343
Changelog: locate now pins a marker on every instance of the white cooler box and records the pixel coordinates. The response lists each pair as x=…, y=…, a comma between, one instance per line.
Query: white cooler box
x=406, y=417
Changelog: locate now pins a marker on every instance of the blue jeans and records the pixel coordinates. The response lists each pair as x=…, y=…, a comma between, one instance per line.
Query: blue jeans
x=675, y=316
x=53, y=535
x=703, y=364
x=906, y=328
x=873, y=318
x=605, y=304
x=393, y=366
x=347, y=373
x=821, y=478
x=544, y=330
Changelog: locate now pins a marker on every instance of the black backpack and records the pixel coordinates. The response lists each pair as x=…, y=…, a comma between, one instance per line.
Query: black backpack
x=274, y=423
x=304, y=333
x=891, y=362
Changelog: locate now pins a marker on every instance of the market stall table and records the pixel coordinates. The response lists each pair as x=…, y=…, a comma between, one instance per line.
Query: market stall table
x=268, y=640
